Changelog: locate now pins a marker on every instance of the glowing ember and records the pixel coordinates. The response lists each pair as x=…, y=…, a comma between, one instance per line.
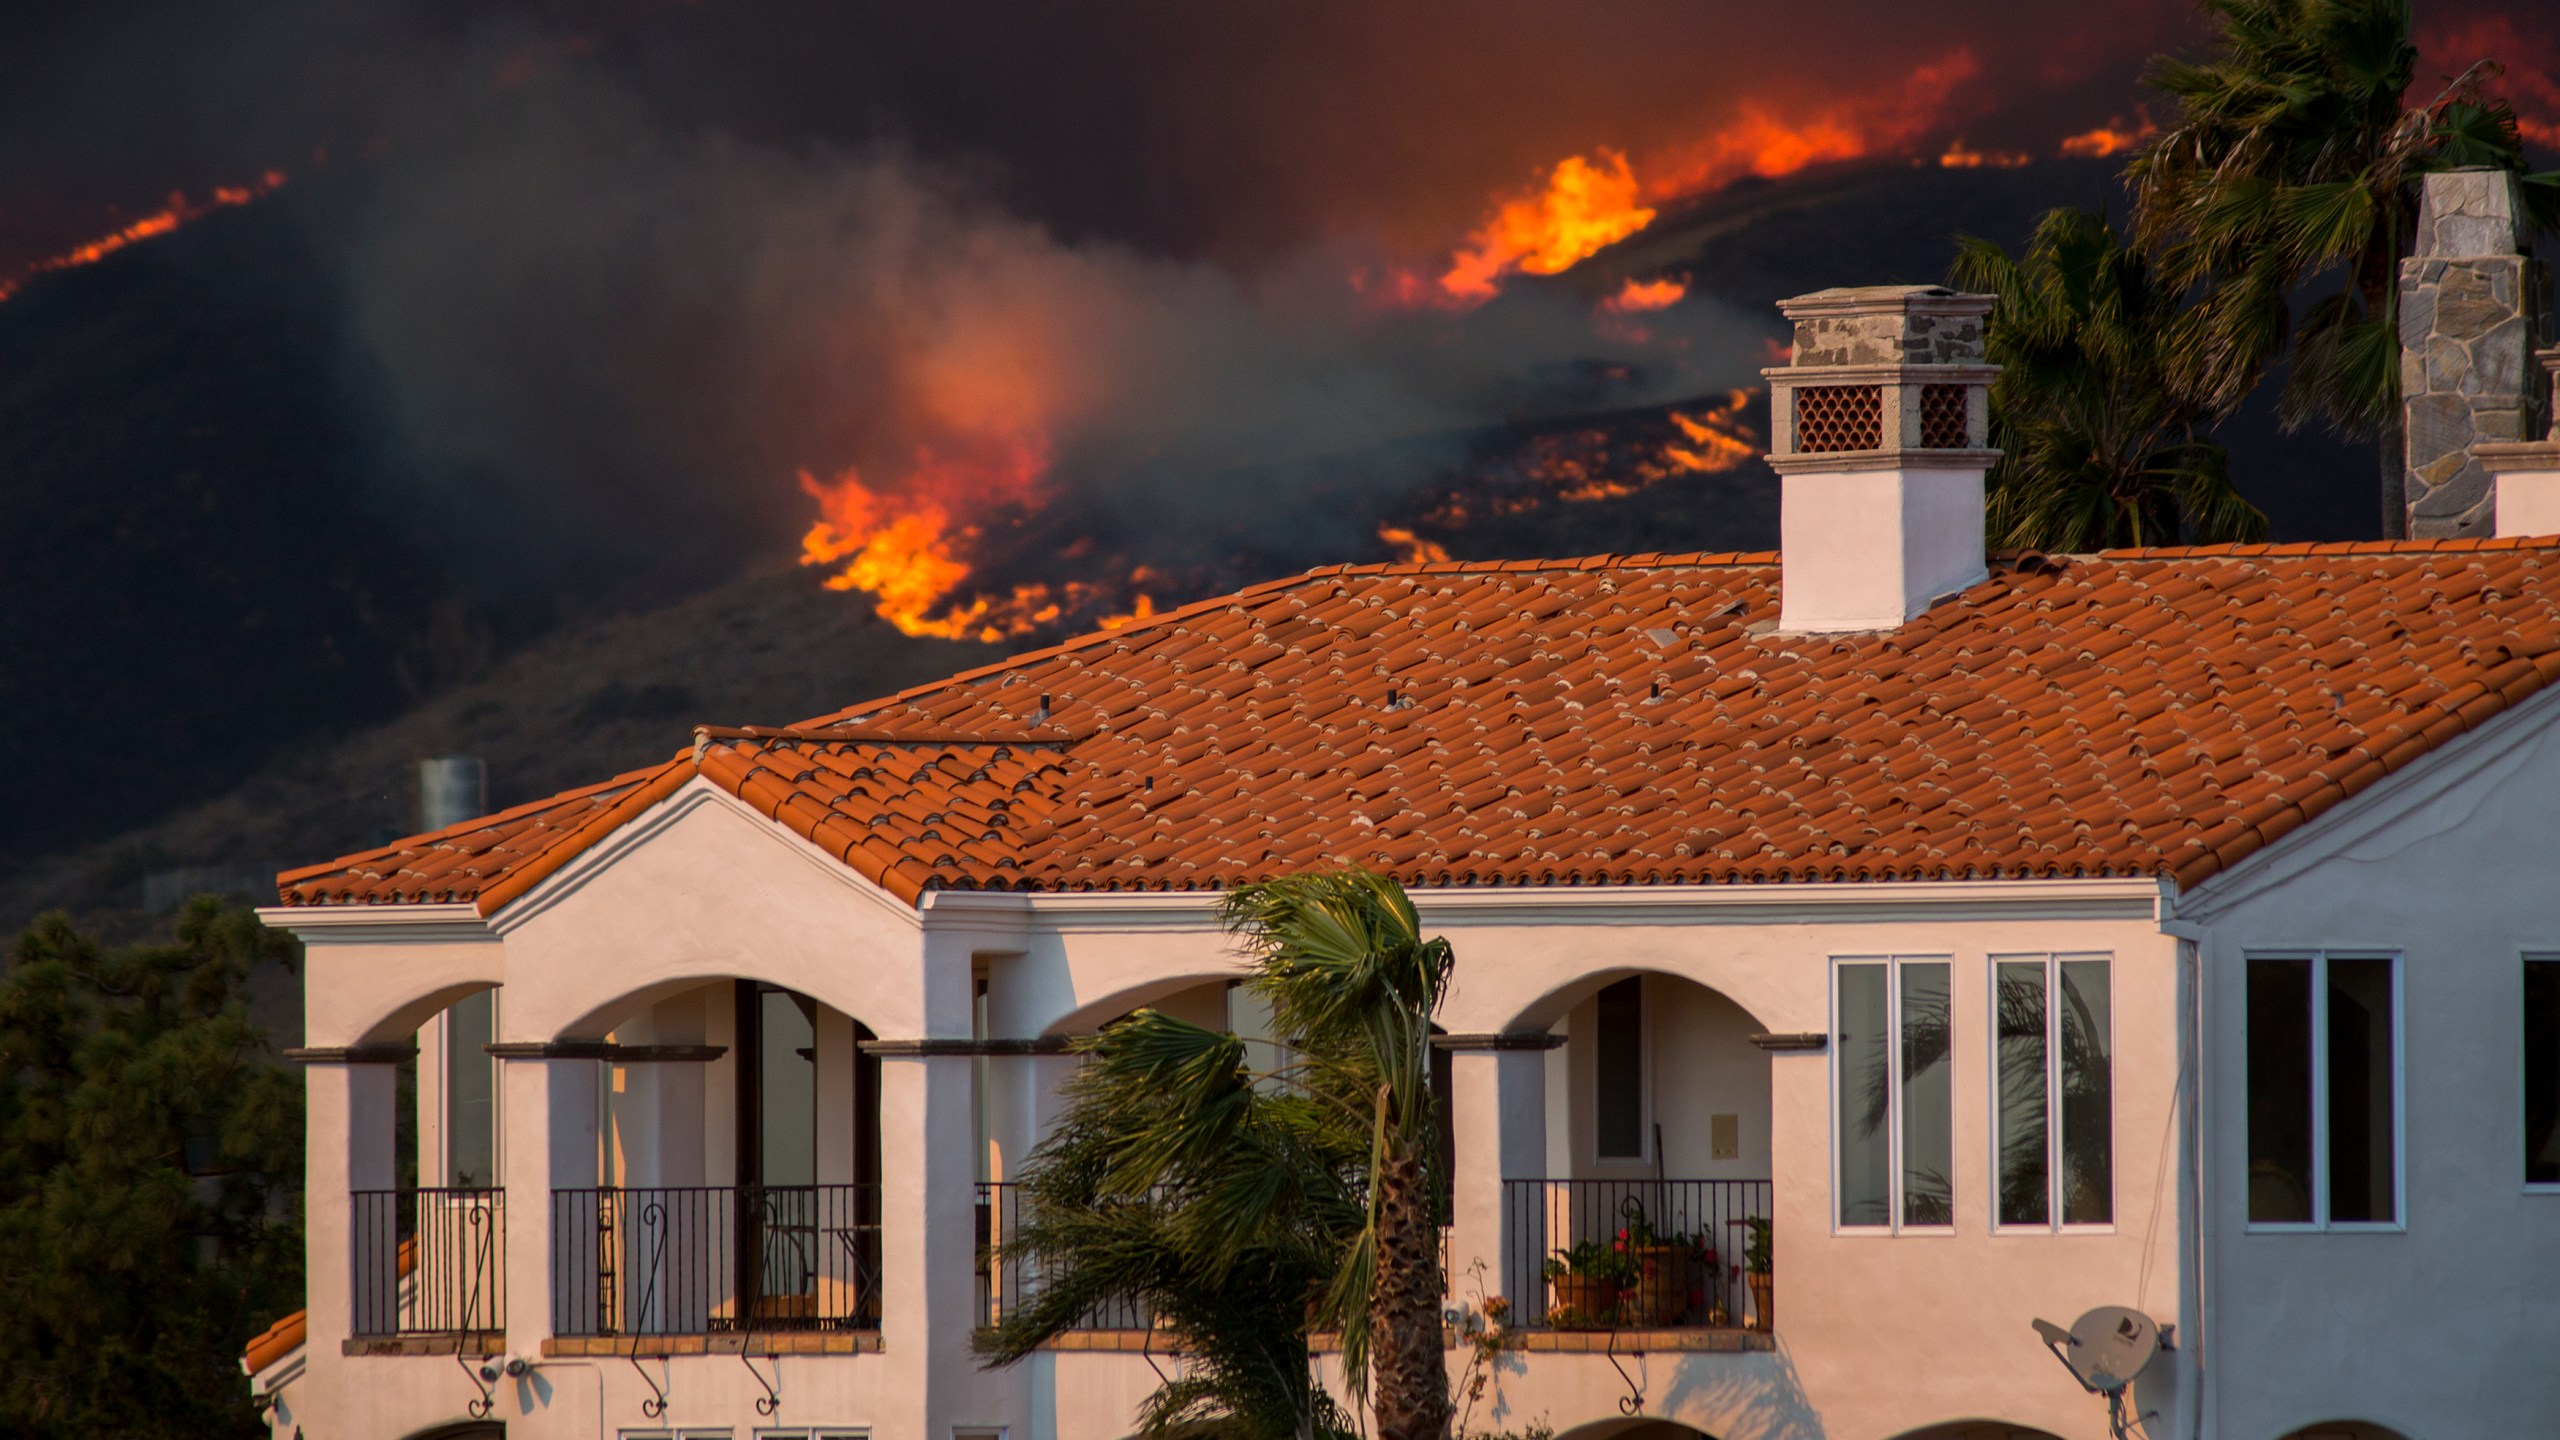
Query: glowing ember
x=1640, y=295
x=1717, y=438
x=169, y=217
x=1960, y=156
x=1584, y=207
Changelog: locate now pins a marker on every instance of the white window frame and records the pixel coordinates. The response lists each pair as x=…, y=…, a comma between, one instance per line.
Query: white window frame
x=2052, y=962
x=2320, y=1223
x=2525, y=1099
x=1892, y=964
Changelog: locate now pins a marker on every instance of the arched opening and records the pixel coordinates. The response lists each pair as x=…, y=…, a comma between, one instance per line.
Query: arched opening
x=2346, y=1430
x=1641, y=1427
x=1658, y=1180
x=1979, y=1430
x=470, y=1430
x=735, y=1185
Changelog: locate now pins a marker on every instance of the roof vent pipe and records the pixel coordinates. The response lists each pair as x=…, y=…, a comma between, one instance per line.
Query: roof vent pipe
x=451, y=789
x=1880, y=428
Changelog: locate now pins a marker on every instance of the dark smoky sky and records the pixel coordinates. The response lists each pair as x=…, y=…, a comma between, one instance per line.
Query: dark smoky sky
x=1233, y=130
x=623, y=269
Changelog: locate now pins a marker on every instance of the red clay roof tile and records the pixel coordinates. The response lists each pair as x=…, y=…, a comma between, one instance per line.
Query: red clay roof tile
x=2160, y=712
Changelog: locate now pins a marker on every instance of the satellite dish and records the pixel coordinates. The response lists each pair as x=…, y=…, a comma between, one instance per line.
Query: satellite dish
x=2104, y=1350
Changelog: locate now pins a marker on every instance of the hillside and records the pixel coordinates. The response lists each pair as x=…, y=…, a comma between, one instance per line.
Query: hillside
x=195, y=584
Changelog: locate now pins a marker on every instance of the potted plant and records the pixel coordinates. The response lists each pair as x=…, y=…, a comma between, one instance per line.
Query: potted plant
x=1666, y=1264
x=1755, y=1270
x=1583, y=1285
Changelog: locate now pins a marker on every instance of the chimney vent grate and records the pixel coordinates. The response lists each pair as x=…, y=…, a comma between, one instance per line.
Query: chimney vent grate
x=1942, y=417
x=1839, y=417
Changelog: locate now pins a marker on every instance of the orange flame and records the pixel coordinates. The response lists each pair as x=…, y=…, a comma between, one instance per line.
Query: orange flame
x=169, y=217
x=1717, y=439
x=1960, y=156
x=1583, y=207
x=1767, y=145
x=902, y=550
x=1412, y=549
x=1641, y=295
x=2113, y=138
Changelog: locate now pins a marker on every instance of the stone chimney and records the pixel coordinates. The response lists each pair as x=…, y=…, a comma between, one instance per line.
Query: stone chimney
x=1880, y=431
x=2464, y=341
x=2524, y=475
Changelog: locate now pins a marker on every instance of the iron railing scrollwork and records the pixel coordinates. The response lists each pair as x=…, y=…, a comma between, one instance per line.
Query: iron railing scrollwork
x=429, y=1262
x=709, y=1259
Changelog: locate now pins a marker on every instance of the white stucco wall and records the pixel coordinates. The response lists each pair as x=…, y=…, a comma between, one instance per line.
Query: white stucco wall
x=1878, y=1335
x=2451, y=1322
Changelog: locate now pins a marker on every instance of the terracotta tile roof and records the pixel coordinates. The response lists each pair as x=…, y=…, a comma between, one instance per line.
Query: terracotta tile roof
x=276, y=1342
x=1626, y=721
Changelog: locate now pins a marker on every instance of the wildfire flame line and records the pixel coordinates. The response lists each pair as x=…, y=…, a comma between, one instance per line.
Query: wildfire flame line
x=179, y=211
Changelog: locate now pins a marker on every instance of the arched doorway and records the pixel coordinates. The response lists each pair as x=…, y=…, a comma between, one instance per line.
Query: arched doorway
x=1641, y=1212
x=2346, y=1430
x=736, y=1182
x=1642, y=1427
x=1980, y=1430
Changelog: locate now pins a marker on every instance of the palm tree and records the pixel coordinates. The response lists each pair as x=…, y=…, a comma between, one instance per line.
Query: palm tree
x=1246, y=1208
x=1352, y=984
x=2098, y=427
x=2293, y=158
x=1180, y=1188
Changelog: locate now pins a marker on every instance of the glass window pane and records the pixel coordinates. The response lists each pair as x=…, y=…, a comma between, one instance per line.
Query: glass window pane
x=2542, y=1072
x=1619, y=1064
x=2088, y=1094
x=2279, y=1090
x=1861, y=1052
x=2021, y=1069
x=1928, y=1098
x=2362, y=1138
x=789, y=1091
x=471, y=1091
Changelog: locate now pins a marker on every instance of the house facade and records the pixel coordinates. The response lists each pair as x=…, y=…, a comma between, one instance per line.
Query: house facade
x=2001, y=937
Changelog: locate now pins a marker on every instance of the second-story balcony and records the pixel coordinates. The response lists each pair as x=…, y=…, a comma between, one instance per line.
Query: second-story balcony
x=713, y=1259
x=429, y=1268
x=1622, y=1255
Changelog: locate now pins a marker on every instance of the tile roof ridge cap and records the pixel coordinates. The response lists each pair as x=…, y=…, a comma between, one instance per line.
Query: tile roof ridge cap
x=1664, y=560
x=479, y=822
x=825, y=736
x=2453, y=544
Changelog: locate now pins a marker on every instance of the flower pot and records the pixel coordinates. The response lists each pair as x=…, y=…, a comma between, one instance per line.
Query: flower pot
x=1660, y=1295
x=1581, y=1302
x=1764, y=1299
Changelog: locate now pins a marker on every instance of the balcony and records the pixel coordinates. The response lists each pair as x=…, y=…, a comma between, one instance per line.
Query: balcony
x=429, y=1270
x=1006, y=1279
x=1634, y=1255
x=650, y=1265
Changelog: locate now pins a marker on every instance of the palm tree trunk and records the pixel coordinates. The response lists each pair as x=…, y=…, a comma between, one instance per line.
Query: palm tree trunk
x=1407, y=1357
x=2393, y=459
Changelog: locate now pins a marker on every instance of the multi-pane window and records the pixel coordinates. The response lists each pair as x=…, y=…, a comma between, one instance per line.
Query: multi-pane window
x=2542, y=1070
x=1618, y=1070
x=1893, y=1103
x=2324, y=1096
x=2055, y=1090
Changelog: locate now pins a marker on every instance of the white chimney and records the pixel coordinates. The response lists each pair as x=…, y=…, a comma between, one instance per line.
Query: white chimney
x=1880, y=427
x=2524, y=475
x=451, y=789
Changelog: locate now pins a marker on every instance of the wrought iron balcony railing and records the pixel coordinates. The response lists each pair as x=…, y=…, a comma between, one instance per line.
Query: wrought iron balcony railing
x=695, y=1260
x=429, y=1262
x=1629, y=1254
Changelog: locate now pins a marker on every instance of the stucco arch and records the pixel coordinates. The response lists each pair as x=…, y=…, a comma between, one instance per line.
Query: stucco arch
x=1095, y=1013
x=1549, y=1008
x=2346, y=1430
x=604, y=1015
x=399, y=1025
x=462, y=1430
x=1977, y=1430
x=1639, y=1427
